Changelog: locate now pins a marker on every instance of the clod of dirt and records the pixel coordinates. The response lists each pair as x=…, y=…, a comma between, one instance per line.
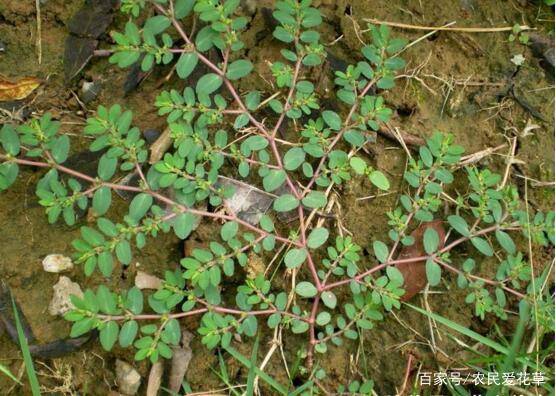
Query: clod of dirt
x=181, y=356
x=17, y=90
x=57, y=263
x=147, y=281
x=414, y=273
x=61, y=303
x=127, y=378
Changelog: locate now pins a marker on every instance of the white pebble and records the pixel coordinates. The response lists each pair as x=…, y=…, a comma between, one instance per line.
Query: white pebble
x=57, y=263
x=61, y=302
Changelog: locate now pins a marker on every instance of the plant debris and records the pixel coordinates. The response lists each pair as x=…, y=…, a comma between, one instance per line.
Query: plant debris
x=17, y=90
x=85, y=28
x=248, y=203
x=414, y=274
x=181, y=356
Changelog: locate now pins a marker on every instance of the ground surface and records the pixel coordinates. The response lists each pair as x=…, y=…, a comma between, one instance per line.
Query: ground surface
x=459, y=86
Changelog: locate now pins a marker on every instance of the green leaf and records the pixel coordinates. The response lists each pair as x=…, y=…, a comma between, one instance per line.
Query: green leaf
x=107, y=167
x=250, y=365
x=430, y=240
x=238, y=69
x=134, y=300
x=123, y=252
x=459, y=224
x=274, y=179
x=128, y=333
x=183, y=224
x=332, y=119
x=434, y=272
x=293, y=158
x=505, y=241
x=358, y=165
x=172, y=332
x=109, y=335
x=317, y=237
x=10, y=140
x=24, y=346
x=482, y=246
x=229, y=230
x=208, y=84
x=295, y=257
x=283, y=35
x=467, y=332
x=81, y=327
x=60, y=149
x=256, y=143
x=140, y=205
x=381, y=251
x=323, y=318
x=379, y=180
x=329, y=299
x=385, y=83
x=105, y=299
x=394, y=275
x=306, y=289
x=105, y=263
x=102, y=198
x=285, y=203
x=186, y=64
x=249, y=326
x=156, y=24
x=182, y=8
x=240, y=121
x=266, y=223
x=315, y=199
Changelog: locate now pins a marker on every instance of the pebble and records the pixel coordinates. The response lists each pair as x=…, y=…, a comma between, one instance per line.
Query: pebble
x=56, y=263
x=61, y=303
x=127, y=378
x=147, y=281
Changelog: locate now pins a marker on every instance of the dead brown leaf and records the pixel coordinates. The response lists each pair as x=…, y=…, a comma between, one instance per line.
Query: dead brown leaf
x=19, y=89
x=414, y=274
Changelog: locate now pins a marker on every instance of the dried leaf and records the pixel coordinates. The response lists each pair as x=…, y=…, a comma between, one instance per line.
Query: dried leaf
x=19, y=89
x=92, y=19
x=160, y=146
x=77, y=53
x=155, y=378
x=85, y=27
x=248, y=203
x=414, y=273
x=180, y=362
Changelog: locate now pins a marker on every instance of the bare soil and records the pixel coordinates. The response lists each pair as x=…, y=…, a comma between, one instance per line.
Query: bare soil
x=459, y=87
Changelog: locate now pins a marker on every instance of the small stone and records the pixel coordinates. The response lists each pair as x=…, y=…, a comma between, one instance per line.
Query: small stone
x=56, y=263
x=147, y=281
x=61, y=303
x=127, y=378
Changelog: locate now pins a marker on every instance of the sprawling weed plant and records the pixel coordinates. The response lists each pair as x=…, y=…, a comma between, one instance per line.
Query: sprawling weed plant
x=333, y=291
